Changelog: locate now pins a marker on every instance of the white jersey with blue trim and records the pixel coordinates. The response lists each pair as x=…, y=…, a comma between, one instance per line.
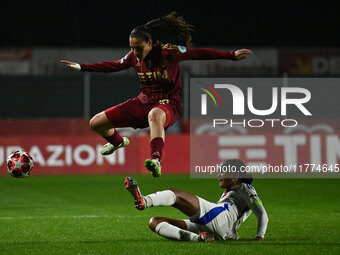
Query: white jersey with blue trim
x=244, y=197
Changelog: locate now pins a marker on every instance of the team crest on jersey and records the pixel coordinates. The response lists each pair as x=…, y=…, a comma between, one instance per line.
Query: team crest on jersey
x=182, y=49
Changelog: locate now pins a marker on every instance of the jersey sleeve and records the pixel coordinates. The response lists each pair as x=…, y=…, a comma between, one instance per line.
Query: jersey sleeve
x=181, y=53
x=109, y=66
x=250, y=196
x=255, y=204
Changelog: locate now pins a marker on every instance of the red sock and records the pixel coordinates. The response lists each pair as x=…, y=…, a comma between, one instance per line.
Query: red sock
x=156, y=146
x=115, y=139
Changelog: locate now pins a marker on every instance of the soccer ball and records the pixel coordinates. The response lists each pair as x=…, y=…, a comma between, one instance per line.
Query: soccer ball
x=19, y=164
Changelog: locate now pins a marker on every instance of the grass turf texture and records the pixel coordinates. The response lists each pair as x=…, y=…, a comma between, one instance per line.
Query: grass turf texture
x=95, y=215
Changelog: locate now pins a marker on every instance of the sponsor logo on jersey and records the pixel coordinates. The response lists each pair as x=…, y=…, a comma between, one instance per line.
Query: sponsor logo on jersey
x=149, y=76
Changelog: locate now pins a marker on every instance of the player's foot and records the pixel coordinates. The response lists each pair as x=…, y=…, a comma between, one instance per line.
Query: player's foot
x=109, y=148
x=185, y=235
x=154, y=166
x=132, y=186
x=206, y=237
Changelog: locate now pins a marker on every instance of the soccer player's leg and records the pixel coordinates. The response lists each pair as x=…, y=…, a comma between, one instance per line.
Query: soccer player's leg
x=160, y=117
x=127, y=114
x=169, y=228
x=177, y=229
x=103, y=126
x=157, y=119
x=173, y=229
x=183, y=201
x=203, y=214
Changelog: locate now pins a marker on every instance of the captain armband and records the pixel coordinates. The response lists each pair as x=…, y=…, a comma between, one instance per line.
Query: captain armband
x=251, y=207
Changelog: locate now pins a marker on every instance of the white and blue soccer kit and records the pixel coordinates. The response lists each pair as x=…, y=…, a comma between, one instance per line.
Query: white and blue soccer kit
x=224, y=217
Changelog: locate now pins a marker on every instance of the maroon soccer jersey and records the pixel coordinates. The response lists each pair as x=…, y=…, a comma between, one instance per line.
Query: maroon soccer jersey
x=159, y=73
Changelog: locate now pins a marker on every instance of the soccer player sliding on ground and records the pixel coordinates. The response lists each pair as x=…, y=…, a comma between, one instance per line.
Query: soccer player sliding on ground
x=208, y=221
x=159, y=104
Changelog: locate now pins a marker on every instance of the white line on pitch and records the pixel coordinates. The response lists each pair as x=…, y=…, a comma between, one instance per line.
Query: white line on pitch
x=69, y=217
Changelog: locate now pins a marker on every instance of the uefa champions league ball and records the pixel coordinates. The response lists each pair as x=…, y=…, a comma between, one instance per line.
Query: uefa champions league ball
x=19, y=164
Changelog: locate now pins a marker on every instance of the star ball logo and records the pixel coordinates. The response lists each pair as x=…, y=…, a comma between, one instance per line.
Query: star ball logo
x=238, y=106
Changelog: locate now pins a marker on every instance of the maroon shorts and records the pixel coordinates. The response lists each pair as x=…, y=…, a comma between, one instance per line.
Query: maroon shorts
x=132, y=113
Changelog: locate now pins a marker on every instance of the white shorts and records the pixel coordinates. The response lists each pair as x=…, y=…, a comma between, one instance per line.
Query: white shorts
x=218, y=219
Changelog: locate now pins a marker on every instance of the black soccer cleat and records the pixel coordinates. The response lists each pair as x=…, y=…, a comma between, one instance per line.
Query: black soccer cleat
x=132, y=186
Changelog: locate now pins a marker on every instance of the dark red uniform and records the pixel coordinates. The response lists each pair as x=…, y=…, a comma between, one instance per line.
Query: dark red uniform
x=160, y=82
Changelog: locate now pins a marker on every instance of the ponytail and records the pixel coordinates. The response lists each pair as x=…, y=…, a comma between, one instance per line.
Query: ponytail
x=170, y=29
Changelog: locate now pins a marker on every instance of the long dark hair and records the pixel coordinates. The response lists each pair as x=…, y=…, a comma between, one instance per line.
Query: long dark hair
x=171, y=28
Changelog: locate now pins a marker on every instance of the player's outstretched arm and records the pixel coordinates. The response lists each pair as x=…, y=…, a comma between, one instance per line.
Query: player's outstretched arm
x=262, y=221
x=73, y=65
x=183, y=53
x=106, y=66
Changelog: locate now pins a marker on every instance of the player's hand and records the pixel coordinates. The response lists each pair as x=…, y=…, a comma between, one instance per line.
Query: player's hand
x=258, y=238
x=242, y=54
x=71, y=64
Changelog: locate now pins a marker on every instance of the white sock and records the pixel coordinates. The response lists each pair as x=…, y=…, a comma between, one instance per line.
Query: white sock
x=161, y=198
x=175, y=233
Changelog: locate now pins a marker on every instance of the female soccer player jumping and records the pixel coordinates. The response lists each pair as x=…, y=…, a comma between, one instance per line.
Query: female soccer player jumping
x=159, y=104
x=208, y=221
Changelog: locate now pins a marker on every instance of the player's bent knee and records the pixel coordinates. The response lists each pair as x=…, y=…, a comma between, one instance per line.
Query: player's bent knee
x=156, y=116
x=153, y=222
x=98, y=122
x=152, y=117
x=175, y=191
x=94, y=123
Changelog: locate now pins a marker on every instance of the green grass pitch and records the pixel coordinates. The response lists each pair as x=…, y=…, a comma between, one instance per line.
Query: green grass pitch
x=95, y=215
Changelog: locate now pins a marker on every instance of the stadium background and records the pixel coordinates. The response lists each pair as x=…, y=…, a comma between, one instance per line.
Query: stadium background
x=45, y=108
